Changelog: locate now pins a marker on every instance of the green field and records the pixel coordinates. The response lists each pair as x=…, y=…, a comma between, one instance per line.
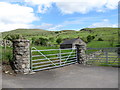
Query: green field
x=108, y=36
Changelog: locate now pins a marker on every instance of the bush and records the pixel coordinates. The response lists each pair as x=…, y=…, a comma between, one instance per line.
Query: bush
x=33, y=40
x=118, y=45
x=90, y=38
x=59, y=40
x=100, y=39
x=56, y=32
x=41, y=41
x=51, y=39
x=13, y=37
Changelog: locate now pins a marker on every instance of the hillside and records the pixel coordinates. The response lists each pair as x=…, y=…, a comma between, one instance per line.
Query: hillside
x=26, y=32
x=106, y=34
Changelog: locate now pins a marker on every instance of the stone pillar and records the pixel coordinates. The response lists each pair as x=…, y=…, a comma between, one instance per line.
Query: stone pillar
x=81, y=56
x=21, y=55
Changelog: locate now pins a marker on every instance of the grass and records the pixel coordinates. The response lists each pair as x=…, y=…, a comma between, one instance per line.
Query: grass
x=6, y=54
x=105, y=33
x=100, y=44
x=43, y=47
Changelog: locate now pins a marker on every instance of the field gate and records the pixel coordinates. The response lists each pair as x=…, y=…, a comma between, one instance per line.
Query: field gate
x=52, y=58
x=103, y=56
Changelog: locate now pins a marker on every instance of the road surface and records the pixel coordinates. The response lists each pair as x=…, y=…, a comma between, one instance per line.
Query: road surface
x=72, y=76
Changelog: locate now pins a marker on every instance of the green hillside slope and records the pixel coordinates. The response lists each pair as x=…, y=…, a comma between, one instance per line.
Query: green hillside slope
x=106, y=34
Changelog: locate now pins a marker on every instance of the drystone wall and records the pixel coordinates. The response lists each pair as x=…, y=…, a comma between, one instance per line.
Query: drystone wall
x=92, y=55
x=21, y=55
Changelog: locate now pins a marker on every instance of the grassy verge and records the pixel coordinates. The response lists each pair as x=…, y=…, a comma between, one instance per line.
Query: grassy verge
x=6, y=54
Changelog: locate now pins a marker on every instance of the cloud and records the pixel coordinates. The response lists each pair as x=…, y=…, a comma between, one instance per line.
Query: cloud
x=43, y=6
x=48, y=26
x=44, y=26
x=72, y=6
x=11, y=0
x=104, y=23
x=8, y=27
x=56, y=28
x=13, y=16
x=80, y=6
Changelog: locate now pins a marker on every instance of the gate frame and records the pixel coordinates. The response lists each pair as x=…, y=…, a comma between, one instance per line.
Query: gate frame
x=106, y=53
x=58, y=57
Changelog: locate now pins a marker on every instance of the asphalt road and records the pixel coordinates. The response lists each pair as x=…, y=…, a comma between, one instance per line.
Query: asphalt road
x=72, y=76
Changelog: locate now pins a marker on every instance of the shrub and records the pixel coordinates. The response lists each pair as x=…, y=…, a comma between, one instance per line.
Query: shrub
x=33, y=40
x=13, y=37
x=51, y=39
x=90, y=38
x=56, y=32
x=118, y=45
x=59, y=40
x=41, y=41
x=100, y=39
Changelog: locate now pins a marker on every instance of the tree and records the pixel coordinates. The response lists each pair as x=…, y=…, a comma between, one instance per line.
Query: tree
x=89, y=38
x=51, y=39
x=56, y=32
x=59, y=40
x=93, y=37
x=33, y=40
x=13, y=37
x=41, y=41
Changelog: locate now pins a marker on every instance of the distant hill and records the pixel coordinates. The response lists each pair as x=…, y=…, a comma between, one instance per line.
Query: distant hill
x=99, y=32
x=106, y=34
x=26, y=32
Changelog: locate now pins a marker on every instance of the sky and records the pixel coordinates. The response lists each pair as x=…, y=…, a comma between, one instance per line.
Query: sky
x=55, y=15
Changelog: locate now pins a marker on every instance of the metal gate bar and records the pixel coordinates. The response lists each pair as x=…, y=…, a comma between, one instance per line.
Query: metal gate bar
x=108, y=56
x=62, y=58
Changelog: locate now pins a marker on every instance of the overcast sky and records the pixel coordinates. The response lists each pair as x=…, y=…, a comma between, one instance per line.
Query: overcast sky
x=57, y=14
